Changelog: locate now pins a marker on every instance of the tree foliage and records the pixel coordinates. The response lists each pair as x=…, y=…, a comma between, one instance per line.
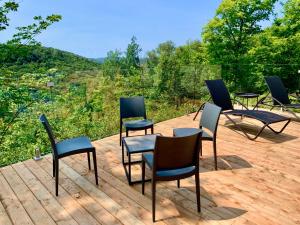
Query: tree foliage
x=229, y=34
x=5, y=9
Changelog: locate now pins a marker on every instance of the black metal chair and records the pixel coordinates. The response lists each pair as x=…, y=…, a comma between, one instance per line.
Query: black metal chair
x=68, y=147
x=174, y=158
x=221, y=98
x=134, y=107
x=279, y=96
x=208, y=124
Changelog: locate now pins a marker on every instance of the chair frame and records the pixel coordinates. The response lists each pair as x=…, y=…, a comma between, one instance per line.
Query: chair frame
x=156, y=178
x=56, y=156
x=124, y=117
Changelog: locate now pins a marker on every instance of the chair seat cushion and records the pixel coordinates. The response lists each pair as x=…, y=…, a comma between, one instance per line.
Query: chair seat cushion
x=73, y=145
x=148, y=157
x=138, y=124
x=182, y=132
x=263, y=116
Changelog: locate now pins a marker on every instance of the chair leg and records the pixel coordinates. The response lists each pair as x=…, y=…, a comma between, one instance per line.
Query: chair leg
x=153, y=198
x=145, y=131
x=127, y=134
x=197, y=181
x=123, y=160
x=215, y=154
x=89, y=160
x=200, y=146
x=178, y=183
x=129, y=168
x=152, y=130
x=56, y=176
x=95, y=166
x=53, y=166
x=143, y=177
x=120, y=134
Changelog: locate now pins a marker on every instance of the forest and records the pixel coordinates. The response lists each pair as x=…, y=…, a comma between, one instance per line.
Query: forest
x=81, y=96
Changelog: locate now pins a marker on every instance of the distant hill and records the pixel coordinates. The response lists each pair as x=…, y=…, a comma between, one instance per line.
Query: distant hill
x=39, y=58
x=97, y=60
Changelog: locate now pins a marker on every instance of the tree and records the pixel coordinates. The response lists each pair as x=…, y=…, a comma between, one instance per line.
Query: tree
x=113, y=64
x=228, y=35
x=132, y=58
x=5, y=9
x=276, y=51
x=19, y=91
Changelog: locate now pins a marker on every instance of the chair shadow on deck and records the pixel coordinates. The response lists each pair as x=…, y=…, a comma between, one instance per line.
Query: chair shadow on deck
x=225, y=162
x=219, y=210
x=252, y=129
x=212, y=211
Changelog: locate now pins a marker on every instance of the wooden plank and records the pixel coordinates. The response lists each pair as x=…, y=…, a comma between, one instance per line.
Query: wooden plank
x=74, y=209
x=112, y=189
x=35, y=210
x=167, y=209
x=4, y=218
x=43, y=170
x=110, y=205
x=49, y=202
x=118, y=169
x=12, y=205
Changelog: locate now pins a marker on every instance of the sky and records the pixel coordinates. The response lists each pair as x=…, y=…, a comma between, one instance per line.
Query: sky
x=91, y=28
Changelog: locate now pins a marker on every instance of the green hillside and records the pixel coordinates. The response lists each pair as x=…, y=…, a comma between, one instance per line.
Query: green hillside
x=24, y=58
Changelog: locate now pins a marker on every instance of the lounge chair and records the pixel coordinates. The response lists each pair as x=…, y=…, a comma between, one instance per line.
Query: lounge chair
x=279, y=96
x=221, y=98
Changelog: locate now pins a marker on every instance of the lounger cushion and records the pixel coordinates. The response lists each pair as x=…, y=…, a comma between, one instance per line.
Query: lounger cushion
x=263, y=116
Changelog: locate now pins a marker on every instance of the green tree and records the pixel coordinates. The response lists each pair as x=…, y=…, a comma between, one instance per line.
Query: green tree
x=228, y=35
x=19, y=91
x=276, y=51
x=5, y=9
x=113, y=64
x=132, y=58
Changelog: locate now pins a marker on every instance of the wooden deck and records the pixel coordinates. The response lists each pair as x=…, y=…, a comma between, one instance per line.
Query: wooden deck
x=258, y=183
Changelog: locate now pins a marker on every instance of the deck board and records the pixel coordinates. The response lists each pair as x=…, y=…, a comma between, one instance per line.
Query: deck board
x=258, y=183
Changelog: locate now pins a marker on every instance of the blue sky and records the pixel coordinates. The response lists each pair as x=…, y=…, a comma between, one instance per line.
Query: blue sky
x=93, y=27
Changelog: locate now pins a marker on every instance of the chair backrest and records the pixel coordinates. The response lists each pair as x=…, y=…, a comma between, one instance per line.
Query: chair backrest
x=176, y=152
x=132, y=107
x=219, y=94
x=48, y=128
x=210, y=117
x=277, y=90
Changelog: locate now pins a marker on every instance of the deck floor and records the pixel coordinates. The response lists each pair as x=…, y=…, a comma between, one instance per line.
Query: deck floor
x=258, y=182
